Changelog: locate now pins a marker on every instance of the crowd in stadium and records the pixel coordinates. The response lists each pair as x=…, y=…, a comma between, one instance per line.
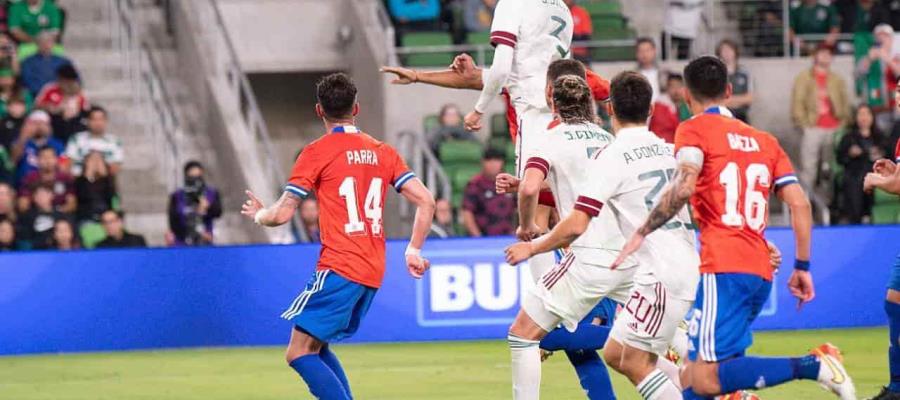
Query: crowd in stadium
x=842, y=132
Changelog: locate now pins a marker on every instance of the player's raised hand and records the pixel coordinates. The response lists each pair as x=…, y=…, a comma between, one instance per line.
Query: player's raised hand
x=463, y=64
x=404, y=76
x=526, y=233
x=506, y=183
x=631, y=246
x=801, y=286
x=417, y=265
x=884, y=167
x=774, y=255
x=518, y=252
x=252, y=205
x=473, y=121
x=872, y=181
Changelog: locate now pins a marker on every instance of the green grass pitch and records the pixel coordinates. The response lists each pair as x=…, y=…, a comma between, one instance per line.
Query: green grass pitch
x=422, y=371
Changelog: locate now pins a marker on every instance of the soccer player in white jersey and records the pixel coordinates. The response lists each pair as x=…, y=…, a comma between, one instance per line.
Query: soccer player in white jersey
x=528, y=35
x=627, y=176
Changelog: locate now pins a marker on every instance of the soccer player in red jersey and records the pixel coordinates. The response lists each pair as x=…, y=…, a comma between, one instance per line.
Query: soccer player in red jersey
x=349, y=172
x=886, y=176
x=727, y=169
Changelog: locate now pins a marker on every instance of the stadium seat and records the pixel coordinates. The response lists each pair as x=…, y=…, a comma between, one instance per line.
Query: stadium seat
x=430, y=123
x=462, y=152
x=430, y=59
x=499, y=126
x=91, y=233
x=481, y=38
x=608, y=21
x=608, y=7
x=886, y=209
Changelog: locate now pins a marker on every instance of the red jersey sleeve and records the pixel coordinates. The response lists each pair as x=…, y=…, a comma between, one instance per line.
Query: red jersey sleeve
x=897, y=151
x=688, y=135
x=599, y=85
x=784, y=170
x=306, y=170
x=400, y=172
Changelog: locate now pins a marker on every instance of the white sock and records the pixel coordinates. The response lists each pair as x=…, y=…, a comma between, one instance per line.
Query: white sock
x=526, y=368
x=671, y=370
x=657, y=386
x=539, y=264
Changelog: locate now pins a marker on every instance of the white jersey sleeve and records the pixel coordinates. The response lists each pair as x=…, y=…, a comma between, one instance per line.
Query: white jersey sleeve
x=505, y=26
x=607, y=180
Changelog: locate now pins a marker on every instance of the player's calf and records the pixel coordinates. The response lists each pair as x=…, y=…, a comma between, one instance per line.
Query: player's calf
x=523, y=339
x=640, y=368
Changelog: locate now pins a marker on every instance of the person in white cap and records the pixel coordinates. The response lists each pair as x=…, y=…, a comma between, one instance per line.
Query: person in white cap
x=36, y=134
x=878, y=71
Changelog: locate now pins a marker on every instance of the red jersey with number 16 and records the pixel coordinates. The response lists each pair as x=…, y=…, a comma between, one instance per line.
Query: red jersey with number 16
x=349, y=172
x=741, y=166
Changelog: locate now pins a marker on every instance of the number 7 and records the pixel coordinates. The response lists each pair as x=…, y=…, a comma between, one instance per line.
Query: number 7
x=562, y=25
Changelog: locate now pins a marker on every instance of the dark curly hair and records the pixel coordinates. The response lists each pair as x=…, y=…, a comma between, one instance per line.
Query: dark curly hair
x=572, y=100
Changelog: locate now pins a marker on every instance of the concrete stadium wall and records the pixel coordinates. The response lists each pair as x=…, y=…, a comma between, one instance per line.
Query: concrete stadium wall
x=105, y=300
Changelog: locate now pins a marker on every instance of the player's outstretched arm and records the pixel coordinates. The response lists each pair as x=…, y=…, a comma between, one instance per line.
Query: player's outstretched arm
x=562, y=235
x=494, y=80
x=529, y=189
x=800, y=283
x=416, y=192
x=462, y=74
x=886, y=178
x=278, y=214
x=672, y=200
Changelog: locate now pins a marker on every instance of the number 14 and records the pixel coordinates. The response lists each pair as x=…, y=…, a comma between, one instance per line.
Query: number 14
x=371, y=207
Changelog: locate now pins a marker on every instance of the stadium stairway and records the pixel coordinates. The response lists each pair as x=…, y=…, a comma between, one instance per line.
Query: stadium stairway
x=89, y=43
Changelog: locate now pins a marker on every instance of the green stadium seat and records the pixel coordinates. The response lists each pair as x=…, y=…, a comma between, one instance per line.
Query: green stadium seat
x=499, y=126
x=609, y=7
x=430, y=123
x=620, y=53
x=886, y=209
x=482, y=39
x=430, y=59
x=496, y=142
x=91, y=233
x=460, y=175
x=463, y=152
x=603, y=21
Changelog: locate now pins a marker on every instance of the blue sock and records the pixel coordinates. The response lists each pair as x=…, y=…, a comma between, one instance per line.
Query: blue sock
x=322, y=382
x=331, y=360
x=758, y=372
x=587, y=337
x=893, y=313
x=592, y=374
x=689, y=394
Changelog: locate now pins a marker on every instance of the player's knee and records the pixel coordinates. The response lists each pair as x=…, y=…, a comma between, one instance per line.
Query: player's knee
x=612, y=355
x=705, y=382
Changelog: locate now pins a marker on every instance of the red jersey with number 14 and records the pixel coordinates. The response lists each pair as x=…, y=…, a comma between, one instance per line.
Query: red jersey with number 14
x=349, y=172
x=741, y=166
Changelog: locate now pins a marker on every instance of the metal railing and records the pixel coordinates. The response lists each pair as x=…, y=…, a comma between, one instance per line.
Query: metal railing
x=423, y=161
x=149, y=94
x=480, y=51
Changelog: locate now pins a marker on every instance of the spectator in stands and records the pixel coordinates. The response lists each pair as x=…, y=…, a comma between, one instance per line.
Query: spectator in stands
x=811, y=17
x=193, y=208
x=412, y=15
x=7, y=166
x=36, y=225
x=478, y=14
x=893, y=12
x=11, y=123
x=9, y=58
x=95, y=139
x=63, y=236
x=857, y=152
x=645, y=54
x=741, y=83
x=450, y=127
x=768, y=27
x=309, y=215
x=64, y=99
x=7, y=202
x=50, y=175
x=820, y=105
x=442, y=226
x=10, y=90
x=8, y=240
x=29, y=18
x=583, y=30
x=486, y=213
x=95, y=189
x=35, y=134
x=861, y=15
x=681, y=26
x=116, y=235
x=670, y=109
x=40, y=68
x=877, y=74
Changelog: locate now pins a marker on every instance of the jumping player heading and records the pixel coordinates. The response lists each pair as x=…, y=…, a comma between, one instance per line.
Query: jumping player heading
x=349, y=173
x=727, y=169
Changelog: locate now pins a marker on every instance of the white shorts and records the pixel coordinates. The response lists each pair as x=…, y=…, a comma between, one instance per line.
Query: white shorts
x=571, y=289
x=650, y=318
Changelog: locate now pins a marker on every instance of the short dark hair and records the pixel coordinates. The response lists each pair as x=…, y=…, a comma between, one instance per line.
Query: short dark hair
x=562, y=67
x=644, y=39
x=492, y=153
x=192, y=164
x=48, y=147
x=631, y=95
x=119, y=213
x=706, y=78
x=67, y=71
x=95, y=109
x=674, y=77
x=336, y=94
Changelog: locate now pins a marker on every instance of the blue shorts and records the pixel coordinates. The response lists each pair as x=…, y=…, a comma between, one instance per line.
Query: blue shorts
x=726, y=305
x=894, y=282
x=605, y=310
x=331, y=307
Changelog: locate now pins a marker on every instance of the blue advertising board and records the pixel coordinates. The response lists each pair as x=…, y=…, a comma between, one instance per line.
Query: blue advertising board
x=225, y=296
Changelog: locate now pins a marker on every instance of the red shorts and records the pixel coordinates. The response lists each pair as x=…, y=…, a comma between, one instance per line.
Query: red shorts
x=546, y=199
